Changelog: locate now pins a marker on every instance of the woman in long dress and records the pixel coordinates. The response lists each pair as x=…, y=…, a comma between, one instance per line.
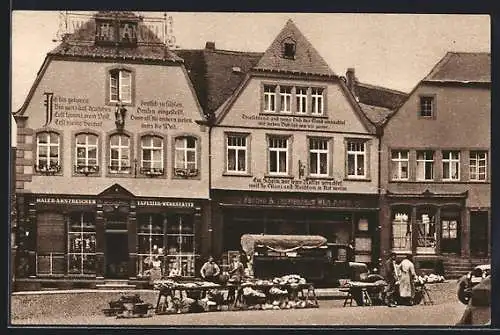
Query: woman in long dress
x=407, y=276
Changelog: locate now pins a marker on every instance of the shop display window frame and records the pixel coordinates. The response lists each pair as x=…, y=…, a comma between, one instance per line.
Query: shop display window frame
x=404, y=225
x=159, y=251
x=81, y=233
x=419, y=224
x=180, y=258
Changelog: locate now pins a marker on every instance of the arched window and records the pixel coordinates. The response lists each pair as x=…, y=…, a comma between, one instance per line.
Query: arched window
x=152, y=155
x=119, y=146
x=48, y=152
x=86, y=160
x=186, y=160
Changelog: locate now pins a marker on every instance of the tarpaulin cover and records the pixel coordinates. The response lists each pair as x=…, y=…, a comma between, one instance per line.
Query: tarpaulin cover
x=281, y=243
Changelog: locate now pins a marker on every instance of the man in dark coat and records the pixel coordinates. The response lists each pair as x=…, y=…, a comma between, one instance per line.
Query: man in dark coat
x=391, y=277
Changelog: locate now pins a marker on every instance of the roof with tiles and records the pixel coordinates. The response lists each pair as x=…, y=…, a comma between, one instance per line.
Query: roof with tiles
x=216, y=74
x=462, y=67
x=306, y=59
x=82, y=43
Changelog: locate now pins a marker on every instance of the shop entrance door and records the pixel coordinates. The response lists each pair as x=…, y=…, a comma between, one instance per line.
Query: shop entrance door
x=116, y=256
x=479, y=233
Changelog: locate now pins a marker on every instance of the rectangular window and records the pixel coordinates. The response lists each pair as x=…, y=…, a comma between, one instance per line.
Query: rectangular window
x=301, y=97
x=451, y=165
x=186, y=162
x=150, y=237
x=426, y=233
x=86, y=154
x=285, y=99
x=318, y=157
x=269, y=98
x=180, y=248
x=425, y=165
x=401, y=230
x=478, y=165
x=426, y=106
x=152, y=155
x=119, y=154
x=278, y=155
x=48, y=152
x=120, y=86
x=237, y=153
x=356, y=159
x=81, y=243
x=399, y=165
x=317, y=101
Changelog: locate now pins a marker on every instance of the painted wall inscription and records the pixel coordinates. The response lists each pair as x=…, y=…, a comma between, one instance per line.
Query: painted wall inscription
x=73, y=111
x=298, y=122
x=160, y=114
x=289, y=184
x=78, y=111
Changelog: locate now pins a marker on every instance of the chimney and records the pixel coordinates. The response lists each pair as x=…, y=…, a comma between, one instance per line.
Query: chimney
x=351, y=79
x=210, y=46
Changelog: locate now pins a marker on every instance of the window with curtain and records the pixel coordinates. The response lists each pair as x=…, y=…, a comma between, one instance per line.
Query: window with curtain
x=318, y=157
x=186, y=161
x=81, y=243
x=48, y=152
x=150, y=235
x=237, y=153
x=152, y=155
x=401, y=229
x=278, y=155
x=86, y=160
x=119, y=146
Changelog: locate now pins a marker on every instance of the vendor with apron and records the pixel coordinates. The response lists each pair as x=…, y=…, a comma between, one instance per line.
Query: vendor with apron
x=210, y=270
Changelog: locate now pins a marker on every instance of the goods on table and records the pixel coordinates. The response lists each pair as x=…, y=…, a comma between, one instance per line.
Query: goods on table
x=429, y=279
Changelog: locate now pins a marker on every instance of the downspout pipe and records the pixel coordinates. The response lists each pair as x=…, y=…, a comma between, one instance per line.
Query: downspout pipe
x=380, y=134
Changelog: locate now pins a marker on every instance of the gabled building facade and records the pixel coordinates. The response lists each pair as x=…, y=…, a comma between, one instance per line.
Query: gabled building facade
x=109, y=159
x=291, y=150
x=436, y=167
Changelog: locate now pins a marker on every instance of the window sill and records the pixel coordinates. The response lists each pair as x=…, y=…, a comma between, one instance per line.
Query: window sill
x=319, y=178
x=366, y=179
x=283, y=176
x=236, y=174
x=292, y=114
x=437, y=182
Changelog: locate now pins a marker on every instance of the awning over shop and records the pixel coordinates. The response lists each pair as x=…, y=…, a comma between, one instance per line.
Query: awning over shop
x=280, y=243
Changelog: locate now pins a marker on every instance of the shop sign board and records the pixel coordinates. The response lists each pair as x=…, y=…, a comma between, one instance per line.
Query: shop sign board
x=161, y=203
x=65, y=201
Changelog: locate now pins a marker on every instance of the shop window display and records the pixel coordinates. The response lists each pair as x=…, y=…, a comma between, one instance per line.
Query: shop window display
x=180, y=248
x=426, y=233
x=401, y=231
x=81, y=243
x=150, y=243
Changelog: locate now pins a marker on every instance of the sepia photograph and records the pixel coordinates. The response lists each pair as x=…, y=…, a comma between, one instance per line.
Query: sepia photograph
x=250, y=169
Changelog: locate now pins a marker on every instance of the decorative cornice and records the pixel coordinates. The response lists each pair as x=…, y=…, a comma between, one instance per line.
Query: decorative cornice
x=428, y=194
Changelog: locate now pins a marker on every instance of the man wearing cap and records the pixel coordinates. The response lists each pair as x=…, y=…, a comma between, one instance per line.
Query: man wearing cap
x=391, y=277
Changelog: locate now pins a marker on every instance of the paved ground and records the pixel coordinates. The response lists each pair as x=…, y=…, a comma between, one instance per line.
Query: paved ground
x=78, y=309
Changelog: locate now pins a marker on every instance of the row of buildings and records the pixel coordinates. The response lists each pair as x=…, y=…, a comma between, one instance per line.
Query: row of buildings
x=127, y=149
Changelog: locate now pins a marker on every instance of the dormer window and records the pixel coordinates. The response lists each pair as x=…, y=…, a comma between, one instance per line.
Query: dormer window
x=110, y=31
x=289, y=50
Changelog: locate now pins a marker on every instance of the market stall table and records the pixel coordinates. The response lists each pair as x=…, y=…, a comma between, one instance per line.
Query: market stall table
x=364, y=293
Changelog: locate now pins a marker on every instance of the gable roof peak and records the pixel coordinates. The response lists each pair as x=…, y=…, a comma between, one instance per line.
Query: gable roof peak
x=291, y=51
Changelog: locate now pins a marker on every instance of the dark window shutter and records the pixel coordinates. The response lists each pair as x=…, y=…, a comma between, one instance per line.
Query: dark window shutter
x=51, y=233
